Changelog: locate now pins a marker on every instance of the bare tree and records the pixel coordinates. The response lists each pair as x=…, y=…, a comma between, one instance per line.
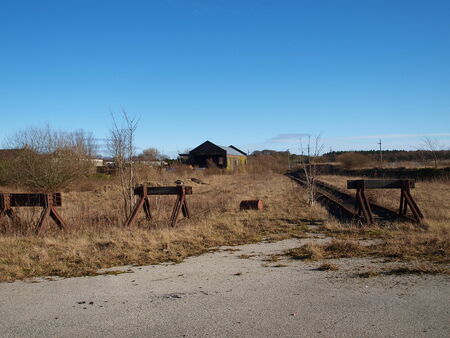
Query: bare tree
x=122, y=148
x=432, y=146
x=84, y=143
x=46, y=159
x=309, y=164
x=150, y=154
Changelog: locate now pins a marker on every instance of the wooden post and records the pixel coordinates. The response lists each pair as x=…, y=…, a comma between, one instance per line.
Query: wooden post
x=406, y=200
x=47, y=201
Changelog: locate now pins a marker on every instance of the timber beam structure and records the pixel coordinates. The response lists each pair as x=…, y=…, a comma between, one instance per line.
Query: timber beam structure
x=143, y=202
x=48, y=202
x=406, y=200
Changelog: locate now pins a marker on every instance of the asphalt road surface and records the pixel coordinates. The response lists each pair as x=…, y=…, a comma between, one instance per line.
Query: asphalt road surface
x=220, y=294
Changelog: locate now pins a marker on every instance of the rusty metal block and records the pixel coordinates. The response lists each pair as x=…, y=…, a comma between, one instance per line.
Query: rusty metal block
x=251, y=205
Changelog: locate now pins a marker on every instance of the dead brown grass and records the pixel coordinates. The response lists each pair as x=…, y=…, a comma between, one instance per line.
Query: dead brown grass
x=96, y=239
x=433, y=198
x=328, y=267
x=419, y=269
x=400, y=246
x=334, y=249
x=415, y=268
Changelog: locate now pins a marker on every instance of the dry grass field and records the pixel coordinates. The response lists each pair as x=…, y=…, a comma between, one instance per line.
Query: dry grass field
x=433, y=198
x=424, y=250
x=96, y=239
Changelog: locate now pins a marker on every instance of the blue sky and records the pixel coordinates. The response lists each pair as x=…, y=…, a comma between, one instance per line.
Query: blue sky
x=255, y=74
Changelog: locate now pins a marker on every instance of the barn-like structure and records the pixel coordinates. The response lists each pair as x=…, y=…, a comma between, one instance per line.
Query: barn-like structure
x=223, y=157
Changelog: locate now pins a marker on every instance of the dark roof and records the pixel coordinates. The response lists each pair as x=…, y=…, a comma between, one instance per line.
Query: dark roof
x=207, y=148
x=211, y=148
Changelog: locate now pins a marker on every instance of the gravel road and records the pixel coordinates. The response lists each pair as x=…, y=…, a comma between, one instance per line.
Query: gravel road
x=221, y=294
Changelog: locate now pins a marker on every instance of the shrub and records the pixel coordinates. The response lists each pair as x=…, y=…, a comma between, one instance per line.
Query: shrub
x=48, y=160
x=352, y=160
x=47, y=172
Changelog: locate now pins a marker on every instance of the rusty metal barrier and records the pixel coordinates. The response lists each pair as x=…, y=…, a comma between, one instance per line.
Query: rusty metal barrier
x=363, y=207
x=144, y=192
x=47, y=201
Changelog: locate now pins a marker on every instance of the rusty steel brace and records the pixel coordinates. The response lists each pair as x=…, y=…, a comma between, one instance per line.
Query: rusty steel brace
x=180, y=203
x=5, y=207
x=362, y=206
x=143, y=202
x=406, y=200
x=49, y=210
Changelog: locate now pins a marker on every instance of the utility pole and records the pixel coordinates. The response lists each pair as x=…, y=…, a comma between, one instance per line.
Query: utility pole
x=381, y=153
x=309, y=154
x=288, y=158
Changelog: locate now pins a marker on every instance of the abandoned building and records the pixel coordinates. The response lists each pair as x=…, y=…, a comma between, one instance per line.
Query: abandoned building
x=223, y=157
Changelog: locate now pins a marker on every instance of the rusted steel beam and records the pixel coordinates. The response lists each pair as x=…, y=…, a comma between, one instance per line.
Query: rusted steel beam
x=33, y=200
x=406, y=199
x=163, y=190
x=380, y=184
x=47, y=201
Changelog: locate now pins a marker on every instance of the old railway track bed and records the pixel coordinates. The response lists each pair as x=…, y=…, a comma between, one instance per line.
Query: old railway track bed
x=343, y=206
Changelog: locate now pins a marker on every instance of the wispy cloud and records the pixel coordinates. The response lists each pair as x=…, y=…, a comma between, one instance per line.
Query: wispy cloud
x=287, y=138
x=359, y=142
x=390, y=136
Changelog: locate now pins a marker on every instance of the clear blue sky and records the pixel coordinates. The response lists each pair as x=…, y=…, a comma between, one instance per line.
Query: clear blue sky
x=255, y=74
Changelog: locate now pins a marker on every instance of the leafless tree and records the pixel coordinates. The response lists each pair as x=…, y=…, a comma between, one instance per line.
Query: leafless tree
x=310, y=153
x=48, y=160
x=122, y=148
x=84, y=143
x=431, y=146
x=150, y=154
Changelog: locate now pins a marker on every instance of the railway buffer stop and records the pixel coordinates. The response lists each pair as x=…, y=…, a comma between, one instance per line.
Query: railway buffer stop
x=362, y=206
x=48, y=202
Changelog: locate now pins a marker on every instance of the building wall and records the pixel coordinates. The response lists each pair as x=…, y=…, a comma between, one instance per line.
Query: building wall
x=209, y=151
x=235, y=162
x=202, y=160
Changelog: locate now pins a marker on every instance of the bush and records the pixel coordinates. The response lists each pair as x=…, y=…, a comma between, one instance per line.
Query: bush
x=261, y=164
x=47, y=172
x=352, y=160
x=48, y=160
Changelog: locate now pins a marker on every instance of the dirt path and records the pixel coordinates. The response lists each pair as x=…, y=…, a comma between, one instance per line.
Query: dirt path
x=221, y=294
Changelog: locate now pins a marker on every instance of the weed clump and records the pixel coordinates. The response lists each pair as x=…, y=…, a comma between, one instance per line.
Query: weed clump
x=334, y=249
x=328, y=267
